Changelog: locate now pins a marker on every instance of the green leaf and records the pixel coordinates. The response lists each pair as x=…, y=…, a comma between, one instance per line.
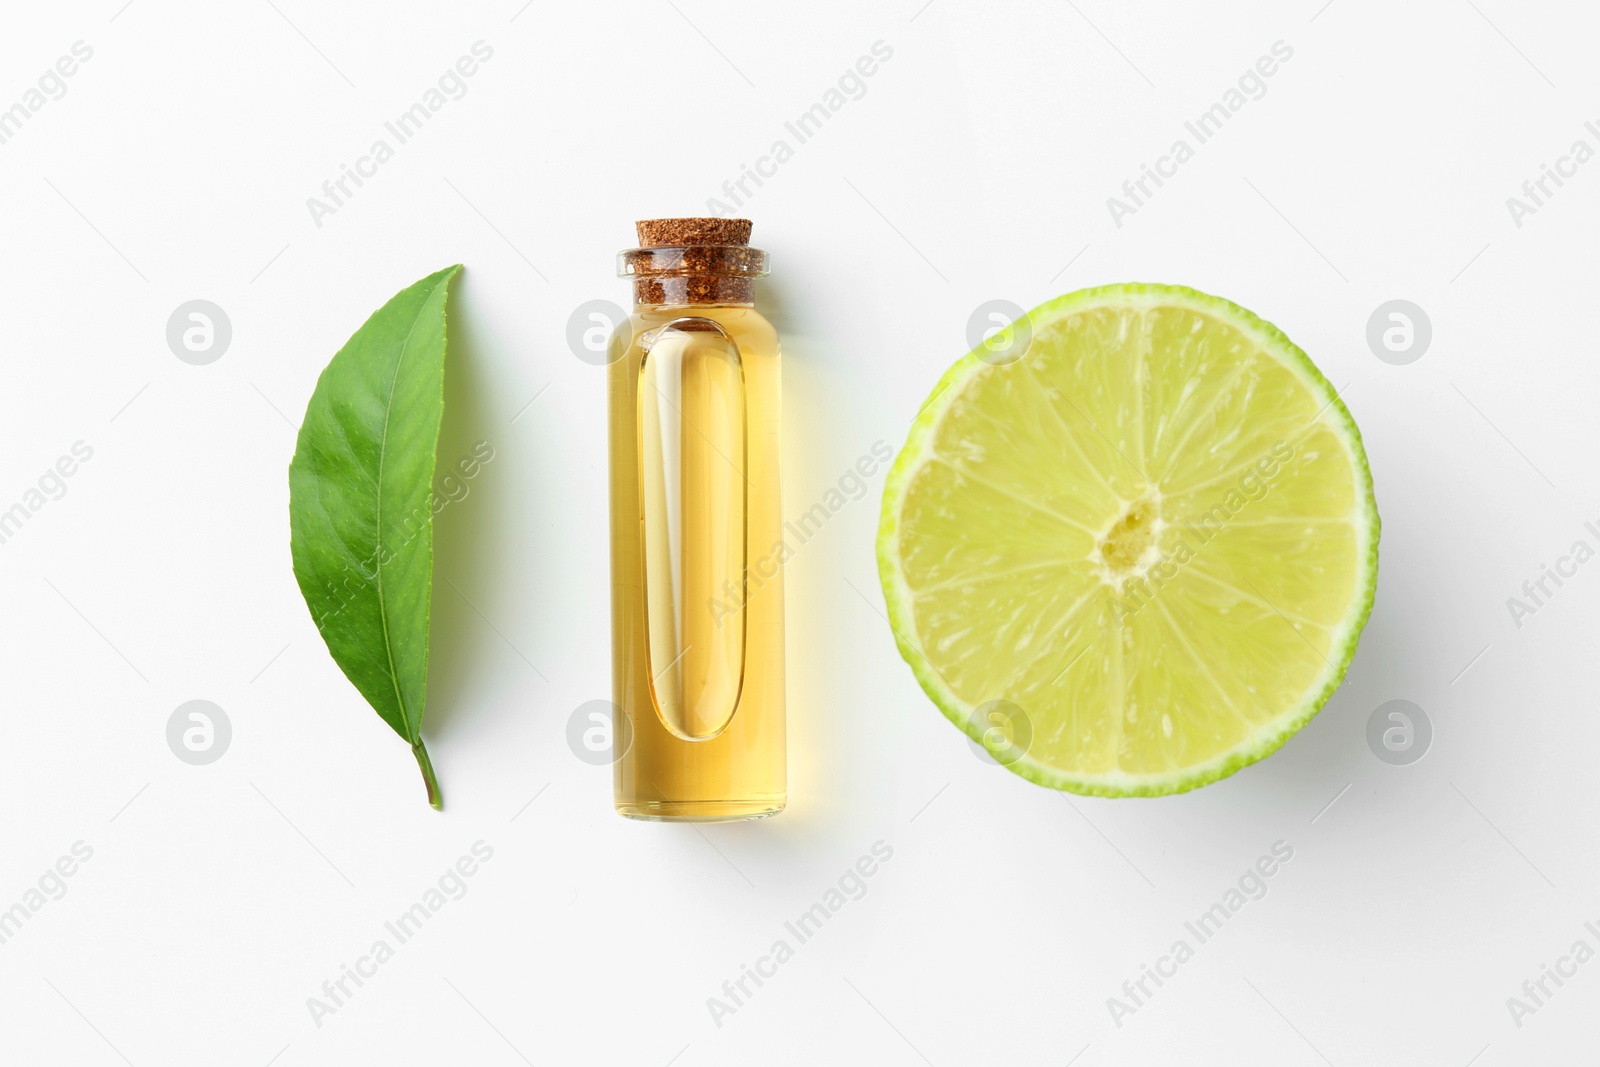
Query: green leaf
x=361, y=504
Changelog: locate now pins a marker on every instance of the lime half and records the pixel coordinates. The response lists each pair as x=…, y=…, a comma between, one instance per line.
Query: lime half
x=1131, y=542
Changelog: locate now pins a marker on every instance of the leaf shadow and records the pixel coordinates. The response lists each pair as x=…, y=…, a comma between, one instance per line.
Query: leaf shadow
x=464, y=553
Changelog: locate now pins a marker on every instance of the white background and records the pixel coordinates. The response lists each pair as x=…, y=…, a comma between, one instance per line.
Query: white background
x=976, y=166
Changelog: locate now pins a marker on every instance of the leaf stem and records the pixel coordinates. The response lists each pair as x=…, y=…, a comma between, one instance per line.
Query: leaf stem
x=434, y=799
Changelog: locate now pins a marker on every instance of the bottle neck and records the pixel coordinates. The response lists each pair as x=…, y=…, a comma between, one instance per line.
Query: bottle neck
x=693, y=274
x=690, y=289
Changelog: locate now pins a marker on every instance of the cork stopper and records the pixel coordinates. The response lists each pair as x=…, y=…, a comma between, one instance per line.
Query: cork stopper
x=676, y=233
x=693, y=261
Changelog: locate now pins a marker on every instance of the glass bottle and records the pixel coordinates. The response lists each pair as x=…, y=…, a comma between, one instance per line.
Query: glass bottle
x=696, y=539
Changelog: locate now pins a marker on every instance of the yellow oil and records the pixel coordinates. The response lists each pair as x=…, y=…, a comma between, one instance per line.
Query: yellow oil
x=696, y=564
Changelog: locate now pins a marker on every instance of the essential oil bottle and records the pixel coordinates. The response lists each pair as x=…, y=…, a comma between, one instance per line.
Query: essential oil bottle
x=696, y=540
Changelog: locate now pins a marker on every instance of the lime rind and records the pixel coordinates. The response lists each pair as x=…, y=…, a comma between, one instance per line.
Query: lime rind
x=1269, y=737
